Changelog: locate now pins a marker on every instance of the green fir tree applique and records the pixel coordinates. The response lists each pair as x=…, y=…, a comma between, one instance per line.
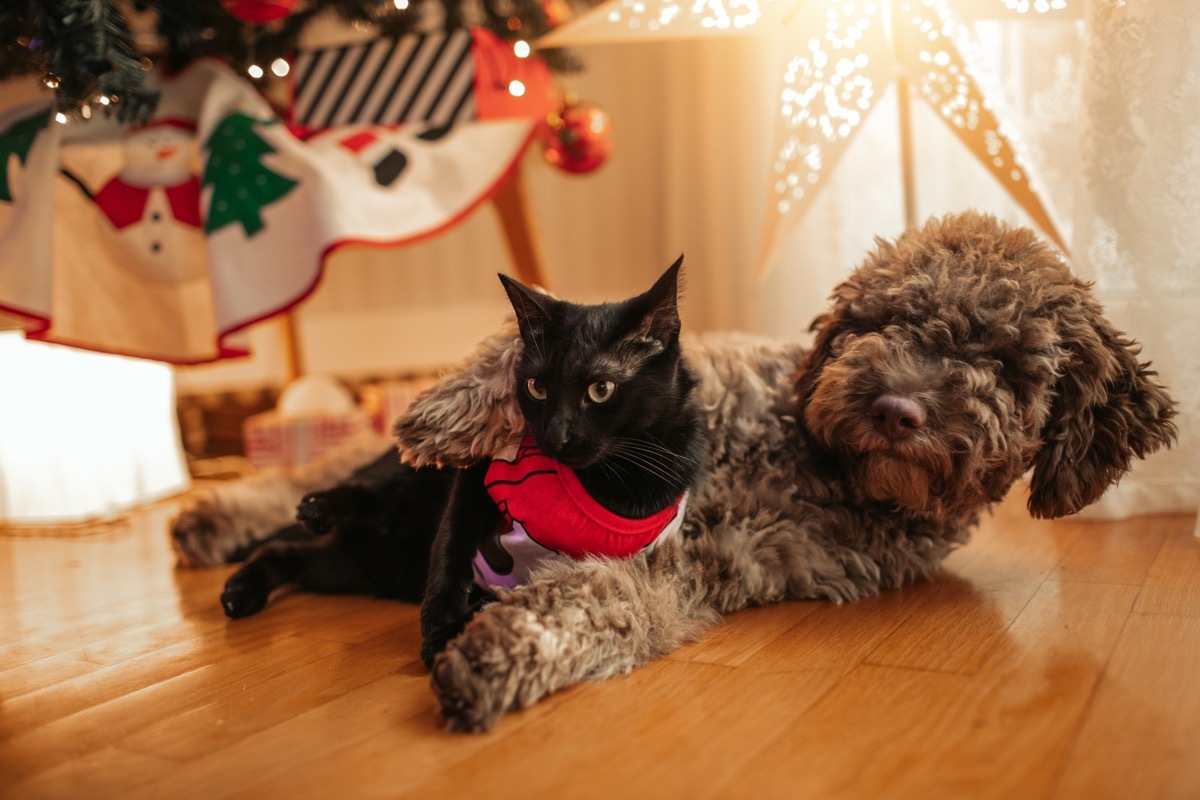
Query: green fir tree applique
x=17, y=139
x=241, y=183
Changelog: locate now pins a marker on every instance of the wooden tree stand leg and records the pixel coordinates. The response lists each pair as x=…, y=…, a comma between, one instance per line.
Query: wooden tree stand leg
x=513, y=210
x=290, y=336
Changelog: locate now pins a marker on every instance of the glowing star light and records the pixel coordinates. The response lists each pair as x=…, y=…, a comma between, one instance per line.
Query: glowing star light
x=843, y=56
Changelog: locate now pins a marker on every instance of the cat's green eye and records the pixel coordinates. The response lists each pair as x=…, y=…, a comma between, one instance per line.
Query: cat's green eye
x=535, y=389
x=601, y=391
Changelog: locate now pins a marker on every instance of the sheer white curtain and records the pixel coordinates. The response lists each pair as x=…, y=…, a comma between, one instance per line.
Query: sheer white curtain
x=1137, y=232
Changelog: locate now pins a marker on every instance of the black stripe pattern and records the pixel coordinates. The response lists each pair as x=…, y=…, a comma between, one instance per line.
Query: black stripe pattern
x=427, y=77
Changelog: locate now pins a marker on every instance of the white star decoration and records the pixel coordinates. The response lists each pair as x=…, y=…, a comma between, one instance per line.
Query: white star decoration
x=843, y=56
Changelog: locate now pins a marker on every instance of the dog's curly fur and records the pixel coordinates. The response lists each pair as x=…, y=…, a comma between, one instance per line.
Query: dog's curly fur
x=1008, y=356
x=1016, y=368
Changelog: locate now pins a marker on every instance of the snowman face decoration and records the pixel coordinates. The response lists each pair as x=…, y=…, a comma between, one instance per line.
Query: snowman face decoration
x=153, y=208
x=157, y=156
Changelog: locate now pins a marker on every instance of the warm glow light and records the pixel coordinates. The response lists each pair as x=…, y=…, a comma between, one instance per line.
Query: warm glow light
x=400, y=4
x=841, y=57
x=104, y=100
x=82, y=434
x=516, y=88
x=280, y=67
x=621, y=20
x=254, y=71
x=60, y=118
x=521, y=49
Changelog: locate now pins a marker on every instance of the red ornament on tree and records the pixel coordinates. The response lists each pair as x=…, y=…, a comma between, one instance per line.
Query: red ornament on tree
x=259, y=12
x=578, y=137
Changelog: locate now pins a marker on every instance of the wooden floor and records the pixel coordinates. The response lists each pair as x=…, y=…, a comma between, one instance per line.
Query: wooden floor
x=1051, y=660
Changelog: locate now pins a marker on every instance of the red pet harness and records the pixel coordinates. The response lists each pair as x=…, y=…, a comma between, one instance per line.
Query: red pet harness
x=547, y=513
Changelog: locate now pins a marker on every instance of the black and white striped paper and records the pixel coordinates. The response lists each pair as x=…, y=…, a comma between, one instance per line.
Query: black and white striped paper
x=426, y=77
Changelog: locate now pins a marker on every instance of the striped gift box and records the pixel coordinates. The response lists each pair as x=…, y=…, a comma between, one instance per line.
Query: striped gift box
x=418, y=77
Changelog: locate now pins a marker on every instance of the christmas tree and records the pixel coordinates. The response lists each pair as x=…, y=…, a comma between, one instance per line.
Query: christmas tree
x=94, y=53
x=241, y=183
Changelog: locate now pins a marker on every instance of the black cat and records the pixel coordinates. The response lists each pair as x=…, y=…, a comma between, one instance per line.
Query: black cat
x=616, y=441
x=370, y=534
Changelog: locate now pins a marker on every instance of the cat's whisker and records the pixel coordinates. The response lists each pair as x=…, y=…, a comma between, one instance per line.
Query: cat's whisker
x=679, y=456
x=668, y=471
x=615, y=471
x=657, y=452
x=648, y=459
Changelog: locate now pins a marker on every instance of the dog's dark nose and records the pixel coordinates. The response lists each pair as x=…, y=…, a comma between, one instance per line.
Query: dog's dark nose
x=897, y=416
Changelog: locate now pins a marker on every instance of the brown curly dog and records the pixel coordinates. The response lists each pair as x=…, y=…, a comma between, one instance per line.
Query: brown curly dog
x=952, y=362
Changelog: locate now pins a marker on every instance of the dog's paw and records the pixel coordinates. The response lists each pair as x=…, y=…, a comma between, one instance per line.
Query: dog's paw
x=499, y=663
x=468, y=692
x=245, y=593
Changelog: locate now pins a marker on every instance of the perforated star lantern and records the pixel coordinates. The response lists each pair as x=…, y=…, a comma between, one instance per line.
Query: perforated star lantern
x=843, y=54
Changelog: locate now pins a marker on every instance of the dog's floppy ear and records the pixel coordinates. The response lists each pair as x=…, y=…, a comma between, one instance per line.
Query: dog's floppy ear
x=1107, y=410
x=471, y=414
x=822, y=349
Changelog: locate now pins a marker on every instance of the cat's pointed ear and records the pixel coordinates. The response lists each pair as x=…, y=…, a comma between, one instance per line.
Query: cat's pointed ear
x=660, y=320
x=529, y=305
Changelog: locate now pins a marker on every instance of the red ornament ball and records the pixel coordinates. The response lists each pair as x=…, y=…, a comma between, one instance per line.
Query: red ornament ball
x=578, y=138
x=259, y=12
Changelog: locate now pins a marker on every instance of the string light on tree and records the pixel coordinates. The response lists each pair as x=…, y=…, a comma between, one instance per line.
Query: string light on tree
x=254, y=71
x=83, y=47
x=716, y=15
x=280, y=67
x=516, y=88
x=521, y=49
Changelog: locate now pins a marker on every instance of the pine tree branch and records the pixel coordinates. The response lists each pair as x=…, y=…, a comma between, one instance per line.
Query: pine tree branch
x=87, y=49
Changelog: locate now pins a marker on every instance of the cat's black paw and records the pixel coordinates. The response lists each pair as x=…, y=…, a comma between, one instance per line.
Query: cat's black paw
x=431, y=646
x=316, y=512
x=245, y=593
x=441, y=621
